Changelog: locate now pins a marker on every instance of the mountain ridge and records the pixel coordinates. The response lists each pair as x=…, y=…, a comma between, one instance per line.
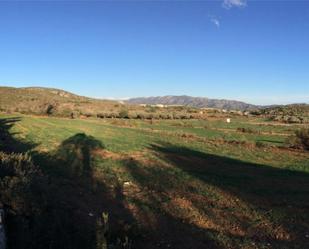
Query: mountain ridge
x=198, y=102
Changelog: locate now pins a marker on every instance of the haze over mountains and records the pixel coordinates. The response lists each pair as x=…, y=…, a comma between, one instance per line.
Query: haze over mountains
x=198, y=102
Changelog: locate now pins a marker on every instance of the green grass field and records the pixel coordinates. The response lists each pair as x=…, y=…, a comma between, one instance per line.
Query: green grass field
x=171, y=183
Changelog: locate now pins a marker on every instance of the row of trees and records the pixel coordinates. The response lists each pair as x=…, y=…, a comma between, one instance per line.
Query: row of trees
x=143, y=115
x=123, y=113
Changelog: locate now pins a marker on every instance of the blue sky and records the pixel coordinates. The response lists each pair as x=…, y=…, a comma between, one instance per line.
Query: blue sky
x=256, y=51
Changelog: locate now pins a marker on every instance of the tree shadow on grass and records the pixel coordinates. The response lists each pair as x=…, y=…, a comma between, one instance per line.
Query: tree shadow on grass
x=8, y=143
x=280, y=197
x=60, y=204
x=162, y=226
x=76, y=155
x=76, y=197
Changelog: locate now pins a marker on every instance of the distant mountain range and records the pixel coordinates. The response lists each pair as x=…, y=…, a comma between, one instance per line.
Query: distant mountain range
x=198, y=102
x=37, y=99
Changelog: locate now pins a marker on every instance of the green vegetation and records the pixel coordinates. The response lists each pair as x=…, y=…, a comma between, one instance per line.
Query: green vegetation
x=300, y=140
x=124, y=114
x=293, y=114
x=123, y=183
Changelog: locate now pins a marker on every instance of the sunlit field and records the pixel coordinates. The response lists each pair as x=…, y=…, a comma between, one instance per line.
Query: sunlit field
x=167, y=183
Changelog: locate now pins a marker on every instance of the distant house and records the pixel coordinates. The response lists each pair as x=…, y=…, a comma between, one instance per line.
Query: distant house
x=160, y=105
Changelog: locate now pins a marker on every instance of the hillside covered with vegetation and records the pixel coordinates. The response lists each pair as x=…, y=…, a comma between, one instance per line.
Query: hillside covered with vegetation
x=55, y=102
x=38, y=100
x=296, y=113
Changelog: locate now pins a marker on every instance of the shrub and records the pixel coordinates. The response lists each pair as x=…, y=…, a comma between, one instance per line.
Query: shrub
x=169, y=116
x=187, y=135
x=155, y=116
x=88, y=114
x=132, y=116
x=151, y=109
x=193, y=110
x=246, y=130
x=17, y=179
x=285, y=119
x=277, y=118
x=50, y=109
x=294, y=120
x=176, y=116
x=123, y=114
x=256, y=112
x=100, y=115
x=140, y=116
x=305, y=120
x=162, y=116
x=260, y=144
x=183, y=116
x=149, y=116
x=300, y=140
x=113, y=115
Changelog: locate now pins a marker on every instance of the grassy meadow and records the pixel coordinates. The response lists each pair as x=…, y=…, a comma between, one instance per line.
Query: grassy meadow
x=167, y=183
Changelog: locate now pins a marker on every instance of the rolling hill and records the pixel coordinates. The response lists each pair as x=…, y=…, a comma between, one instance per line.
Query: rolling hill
x=39, y=100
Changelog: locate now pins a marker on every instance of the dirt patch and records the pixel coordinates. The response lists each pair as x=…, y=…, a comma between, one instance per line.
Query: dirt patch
x=105, y=154
x=138, y=156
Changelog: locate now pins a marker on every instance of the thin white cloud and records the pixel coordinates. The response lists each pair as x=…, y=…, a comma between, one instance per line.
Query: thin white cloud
x=227, y=4
x=215, y=21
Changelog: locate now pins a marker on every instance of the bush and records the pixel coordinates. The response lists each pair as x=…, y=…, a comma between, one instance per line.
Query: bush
x=50, y=109
x=100, y=115
x=277, y=118
x=260, y=144
x=305, y=120
x=151, y=109
x=132, y=116
x=88, y=115
x=140, y=116
x=18, y=176
x=123, y=114
x=246, y=130
x=149, y=116
x=294, y=120
x=300, y=140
